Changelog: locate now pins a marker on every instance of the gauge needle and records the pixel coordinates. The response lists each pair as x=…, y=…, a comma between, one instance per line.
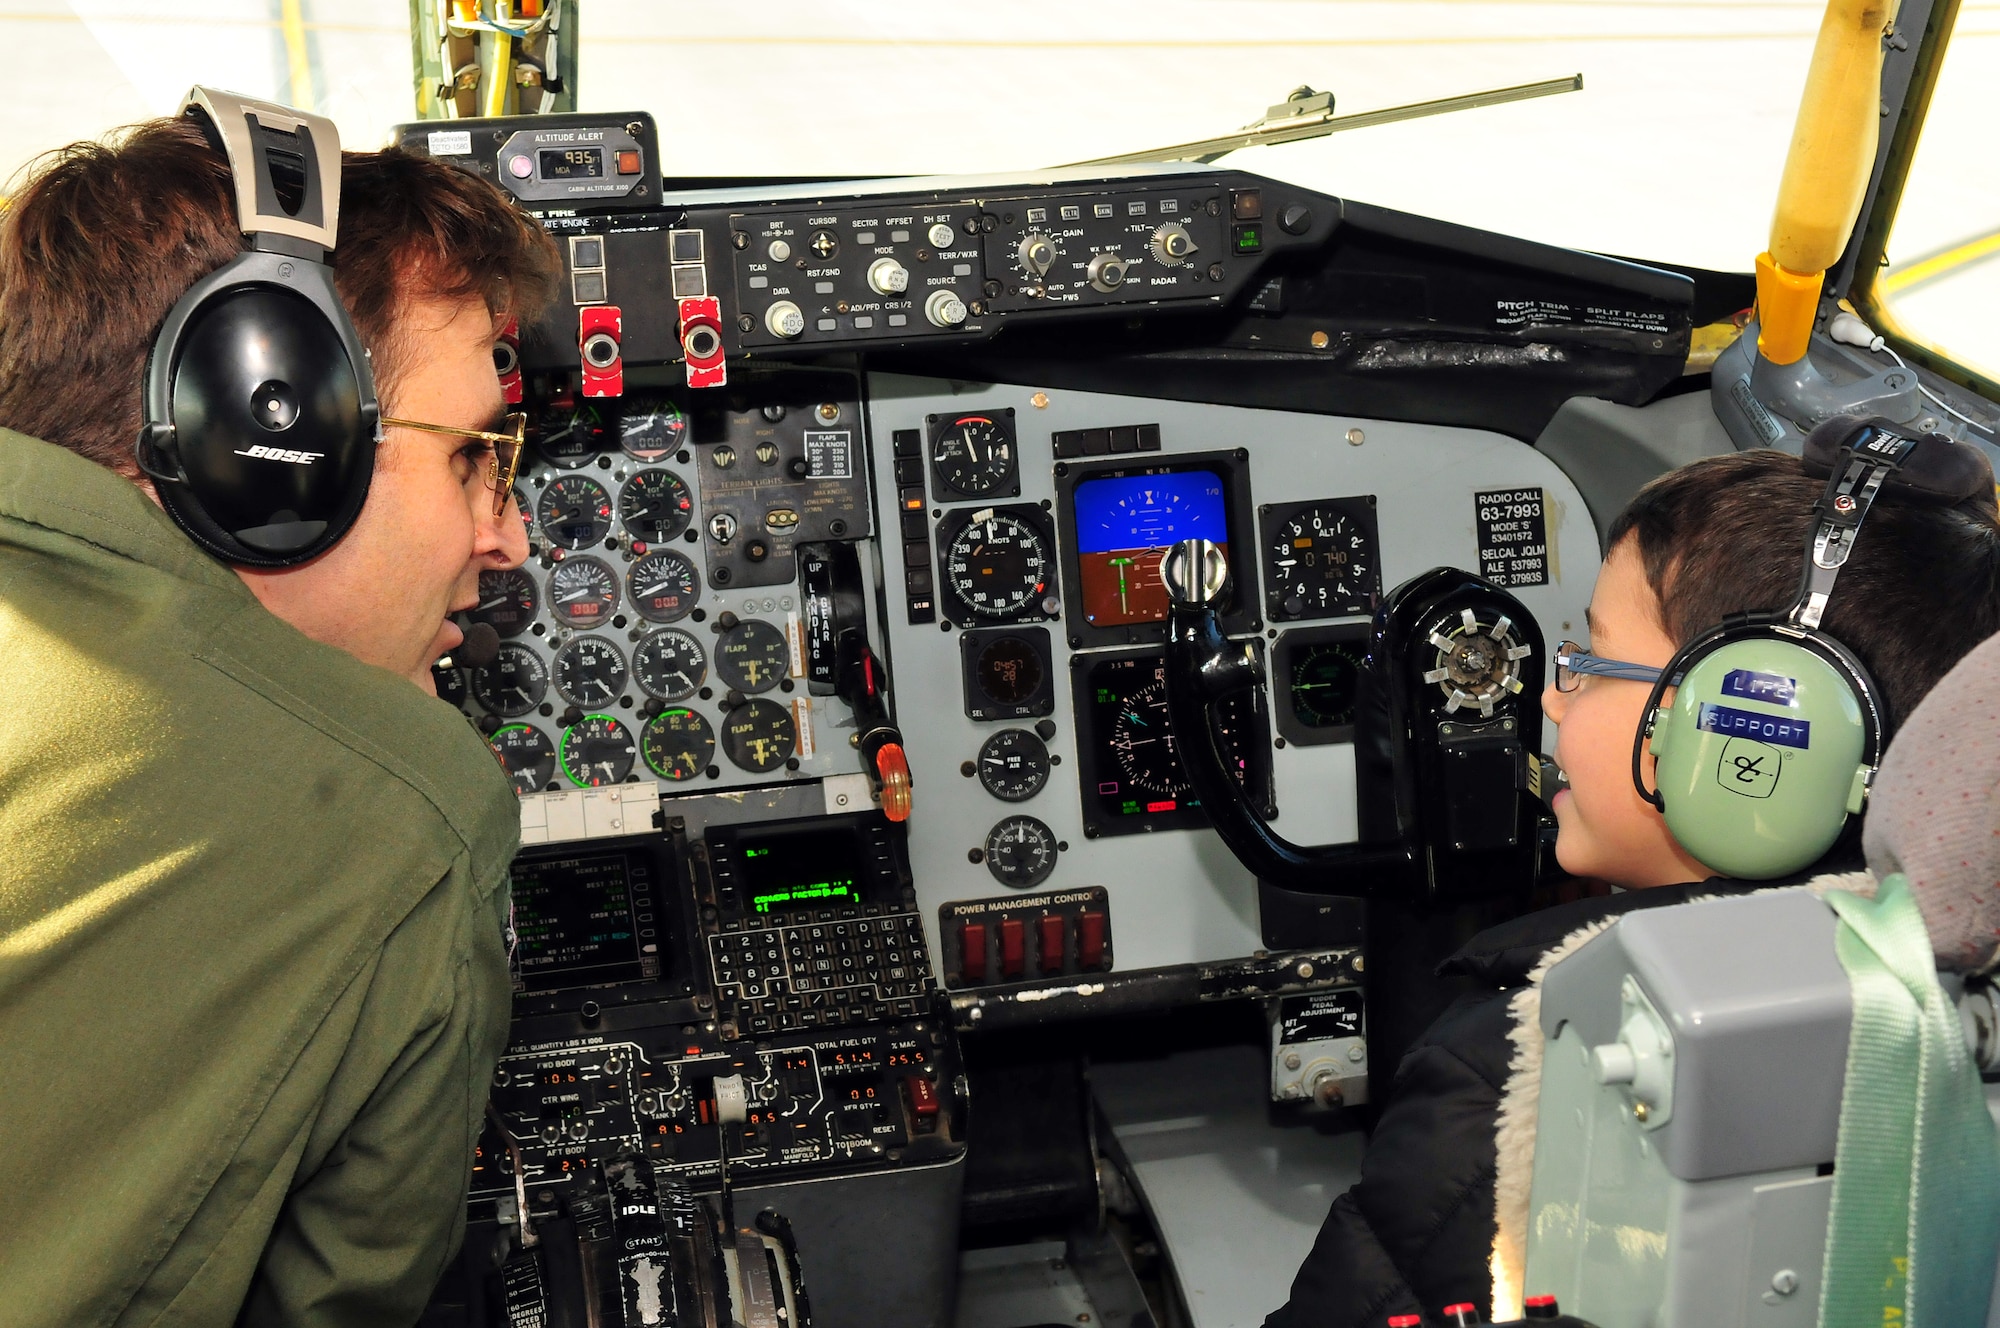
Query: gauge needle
x=573, y=596
x=494, y=603
x=971, y=450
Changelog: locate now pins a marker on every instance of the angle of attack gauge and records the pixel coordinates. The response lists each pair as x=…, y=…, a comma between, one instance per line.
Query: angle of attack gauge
x=597, y=750
x=575, y=512
x=508, y=601
x=569, y=435
x=665, y=586
x=525, y=754
x=759, y=736
x=512, y=684
x=1021, y=852
x=677, y=744
x=589, y=671
x=669, y=665
x=655, y=506
x=999, y=566
x=583, y=592
x=1321, y=559
x=1013, y=765
x=974, y=455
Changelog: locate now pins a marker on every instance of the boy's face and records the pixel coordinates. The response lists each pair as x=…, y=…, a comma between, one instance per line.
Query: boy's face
x=1607, y=830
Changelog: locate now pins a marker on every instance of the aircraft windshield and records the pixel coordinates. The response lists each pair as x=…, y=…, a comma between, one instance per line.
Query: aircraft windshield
x=1672, y=151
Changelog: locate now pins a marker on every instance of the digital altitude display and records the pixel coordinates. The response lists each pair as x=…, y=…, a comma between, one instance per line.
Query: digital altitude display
x=572, y=163
x=1125, y=524
x=816, y=870
x=582, y=921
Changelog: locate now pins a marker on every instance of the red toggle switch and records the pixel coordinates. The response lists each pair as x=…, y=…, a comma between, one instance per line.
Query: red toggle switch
x=600, y=331
x=1052, y=943
x=1406, y=1321
x=1013, y=947
x=972, y=952
x=1090, y=940
x=507, y=361
x=701, y=341
x=1461, y=1315
x=1540, y=1307
x=923, y=1096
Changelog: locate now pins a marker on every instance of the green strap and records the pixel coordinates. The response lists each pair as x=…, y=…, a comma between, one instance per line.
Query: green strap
x=1915, y=1222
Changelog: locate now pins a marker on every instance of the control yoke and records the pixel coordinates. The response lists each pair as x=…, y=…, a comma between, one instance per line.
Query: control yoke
x=1447, y=714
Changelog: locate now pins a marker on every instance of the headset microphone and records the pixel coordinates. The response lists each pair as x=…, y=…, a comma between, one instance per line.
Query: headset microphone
x=480, y=647
x=260, y=412
x=1776, y=729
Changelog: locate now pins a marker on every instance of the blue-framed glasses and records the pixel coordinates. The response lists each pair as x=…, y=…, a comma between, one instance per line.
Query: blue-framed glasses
x=1573, y=663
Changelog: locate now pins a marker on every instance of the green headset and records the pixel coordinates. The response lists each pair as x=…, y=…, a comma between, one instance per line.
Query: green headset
x=1776, y=729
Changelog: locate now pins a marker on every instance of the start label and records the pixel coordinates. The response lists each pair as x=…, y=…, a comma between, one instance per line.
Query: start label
x=1513, y=529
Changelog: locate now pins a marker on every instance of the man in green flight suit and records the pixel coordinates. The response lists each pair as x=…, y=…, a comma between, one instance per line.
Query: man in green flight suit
x=253, y=874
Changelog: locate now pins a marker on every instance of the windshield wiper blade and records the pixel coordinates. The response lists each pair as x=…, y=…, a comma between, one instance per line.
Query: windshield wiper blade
x=1309, y=114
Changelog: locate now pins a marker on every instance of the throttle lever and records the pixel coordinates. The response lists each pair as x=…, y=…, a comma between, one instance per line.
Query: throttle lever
x=1203, y=666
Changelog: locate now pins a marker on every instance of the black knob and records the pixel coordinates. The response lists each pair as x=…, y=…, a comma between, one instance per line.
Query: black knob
x=1296, y=219
x=798, y=468
x=1045, y=729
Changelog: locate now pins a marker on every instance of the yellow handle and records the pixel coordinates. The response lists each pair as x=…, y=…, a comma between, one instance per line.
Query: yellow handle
x=1826, y=171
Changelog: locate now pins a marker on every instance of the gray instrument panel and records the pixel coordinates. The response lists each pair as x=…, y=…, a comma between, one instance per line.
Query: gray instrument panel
x=1177, y=895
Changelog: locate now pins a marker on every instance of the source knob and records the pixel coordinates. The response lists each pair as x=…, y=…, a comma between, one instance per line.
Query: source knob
x=784, y=319
x=888, y=277
x=1037, y=254
x=945, y=309
x=1107, y=272
x=1172, y=245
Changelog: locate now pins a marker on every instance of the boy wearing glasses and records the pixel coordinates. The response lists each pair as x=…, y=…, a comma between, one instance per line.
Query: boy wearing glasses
x=1721, y=536
x=252, y=984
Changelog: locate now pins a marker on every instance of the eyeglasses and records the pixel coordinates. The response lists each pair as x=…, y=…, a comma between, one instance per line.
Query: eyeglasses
x=1574, y=663
x=506, y=460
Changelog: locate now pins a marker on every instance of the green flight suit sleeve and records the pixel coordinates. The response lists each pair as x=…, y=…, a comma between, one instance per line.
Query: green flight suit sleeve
x=378, y=1207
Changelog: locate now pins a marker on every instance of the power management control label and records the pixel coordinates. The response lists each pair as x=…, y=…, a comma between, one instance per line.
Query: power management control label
x=1513, y=536
x=1320, y=1016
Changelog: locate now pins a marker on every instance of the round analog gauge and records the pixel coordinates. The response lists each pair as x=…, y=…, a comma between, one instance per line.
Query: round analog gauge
x=1013, y=765
x=1021, y=852
x=1324, y=677
x=571, y=435
x=450, y=684
x=974, y=455
x=759, y=736
x=655, y=506
x=513, y=684
x=526, y=510
x=597, y=750
x=1009, y=670
x=752, y=656
x=998, y=566
x=664, y=586
x=583, y=592
x=651, y=427
x=508, y=601
x=677, y=744
x=669, y=665
x=1321, y=561
x=590, y=672
x=526, y=755
x=1142, y=743
x=575, y=511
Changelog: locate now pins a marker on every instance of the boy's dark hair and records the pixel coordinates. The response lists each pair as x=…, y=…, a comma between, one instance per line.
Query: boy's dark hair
x=100, y=239
x=1727, y=534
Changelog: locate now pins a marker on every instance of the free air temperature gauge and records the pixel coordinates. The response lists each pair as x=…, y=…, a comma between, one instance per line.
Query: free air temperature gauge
x=974, y=455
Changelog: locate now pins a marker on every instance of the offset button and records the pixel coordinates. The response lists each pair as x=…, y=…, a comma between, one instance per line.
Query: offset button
x=1013, y=946
x=1090, y=940
x=972, y=951
x=1052, y=939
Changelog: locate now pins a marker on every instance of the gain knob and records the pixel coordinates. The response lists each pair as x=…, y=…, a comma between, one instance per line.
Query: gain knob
x=1037, y=254
x=888, y=277
x=784, y=319
x=945, y=309
x=1107, y=272
x=1172, y=245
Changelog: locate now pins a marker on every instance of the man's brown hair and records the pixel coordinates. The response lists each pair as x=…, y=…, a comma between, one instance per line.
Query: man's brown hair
x=1728, y=534
x=101, y=239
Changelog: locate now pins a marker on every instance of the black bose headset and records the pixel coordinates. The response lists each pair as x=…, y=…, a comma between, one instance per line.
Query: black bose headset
x=260, y=414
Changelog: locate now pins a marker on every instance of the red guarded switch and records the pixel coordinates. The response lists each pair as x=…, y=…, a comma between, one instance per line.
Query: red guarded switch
x=923, y=1096
x=1052, y=940
x=1013, y=947
x=1090, y=940
x=972, y=952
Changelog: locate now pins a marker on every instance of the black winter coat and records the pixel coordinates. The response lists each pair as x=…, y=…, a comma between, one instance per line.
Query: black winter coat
x=1415, y=1233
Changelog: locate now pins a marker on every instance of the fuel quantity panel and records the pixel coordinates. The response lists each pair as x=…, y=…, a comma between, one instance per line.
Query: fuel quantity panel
x=657, y=631
x=1025, y=621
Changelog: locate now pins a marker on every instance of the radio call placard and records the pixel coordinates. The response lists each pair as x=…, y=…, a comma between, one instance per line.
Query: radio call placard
x=1513, y=536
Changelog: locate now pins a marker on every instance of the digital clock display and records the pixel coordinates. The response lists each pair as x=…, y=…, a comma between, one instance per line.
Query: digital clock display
x=572, y=163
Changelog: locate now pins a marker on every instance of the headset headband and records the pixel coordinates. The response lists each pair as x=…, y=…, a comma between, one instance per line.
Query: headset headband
x=1863, y=465
x=284, y=165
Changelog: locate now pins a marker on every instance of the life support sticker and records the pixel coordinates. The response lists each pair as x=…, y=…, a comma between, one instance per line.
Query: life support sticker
x=1770, y=688
x=1731, y=722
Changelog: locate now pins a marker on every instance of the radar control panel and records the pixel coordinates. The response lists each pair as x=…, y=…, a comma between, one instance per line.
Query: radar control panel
x=837, y=685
